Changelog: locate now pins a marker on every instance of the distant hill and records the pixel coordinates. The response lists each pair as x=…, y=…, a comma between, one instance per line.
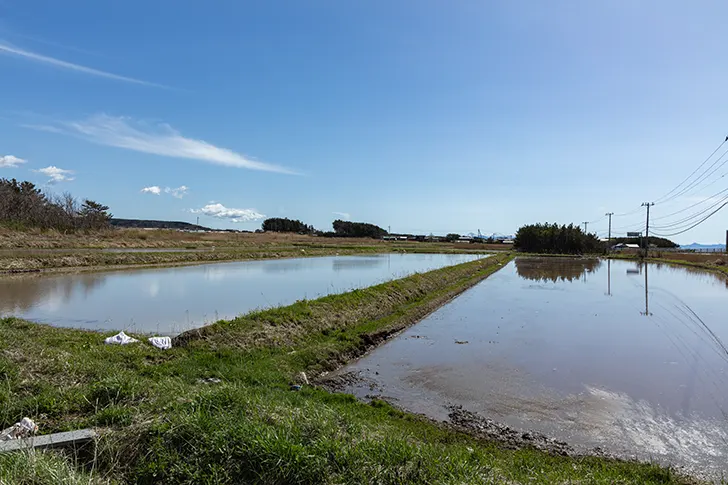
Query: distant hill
x=703, y=247
x=146, y=224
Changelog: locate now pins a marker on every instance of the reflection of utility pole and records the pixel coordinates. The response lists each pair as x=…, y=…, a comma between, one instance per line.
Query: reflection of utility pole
x=586, y=225
x=647, y=297
x=647, y=226
x=609, y=277
x=609, y=237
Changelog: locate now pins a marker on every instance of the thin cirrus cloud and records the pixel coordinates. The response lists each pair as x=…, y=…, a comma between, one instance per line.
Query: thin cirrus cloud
x=55, y=174
x=10, y=161
x=219, y=211
x=156, y=139
x=345, y=215
x=32, y=56
x=178, y=192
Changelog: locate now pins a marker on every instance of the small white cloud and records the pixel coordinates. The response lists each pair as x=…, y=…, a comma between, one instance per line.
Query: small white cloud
x=345, y=215
x=9, y=161
x=154, y=189
x=55, y=174
x=179, y=192
x=157, y=139
x=233, y=215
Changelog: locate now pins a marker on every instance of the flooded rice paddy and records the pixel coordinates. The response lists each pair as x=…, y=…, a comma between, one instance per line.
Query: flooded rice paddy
x=614, y=355
x=171, y=300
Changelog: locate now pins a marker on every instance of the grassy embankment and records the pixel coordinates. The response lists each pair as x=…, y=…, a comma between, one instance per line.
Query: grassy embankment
x=167, y=421
x=715, y=262
x=41, y=251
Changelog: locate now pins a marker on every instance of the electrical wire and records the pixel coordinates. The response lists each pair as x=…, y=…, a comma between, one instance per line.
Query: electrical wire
x=597, y=220
x=690, y=187
x=694, y=225
x=661, y=199
x=639, y=209
x=691, y=206
x=689, y=219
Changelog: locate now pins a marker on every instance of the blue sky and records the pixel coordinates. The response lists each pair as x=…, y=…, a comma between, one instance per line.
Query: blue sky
x=426, y=116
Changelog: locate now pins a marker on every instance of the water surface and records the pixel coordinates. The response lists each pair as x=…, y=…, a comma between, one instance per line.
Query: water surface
x=171, y=300
x=611, y=354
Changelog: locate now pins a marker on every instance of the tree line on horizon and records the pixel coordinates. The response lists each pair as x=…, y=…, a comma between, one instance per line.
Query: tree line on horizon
x=341, y=228
x=23, y=205
x=555, y=239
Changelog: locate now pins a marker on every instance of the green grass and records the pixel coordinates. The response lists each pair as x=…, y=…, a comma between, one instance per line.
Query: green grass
x=44, y=468
x=167, y=424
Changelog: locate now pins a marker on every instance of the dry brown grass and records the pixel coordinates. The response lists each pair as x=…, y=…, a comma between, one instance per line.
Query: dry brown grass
x=720, y=259
x=36, y=250
x=151, y=239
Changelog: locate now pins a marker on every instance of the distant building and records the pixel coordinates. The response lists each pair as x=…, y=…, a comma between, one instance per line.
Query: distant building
x=621, y=246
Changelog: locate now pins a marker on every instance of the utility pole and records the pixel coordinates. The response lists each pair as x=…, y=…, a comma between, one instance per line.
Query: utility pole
x=198, y=220
x=609, y=237
x=647, y=226
x=586, y=224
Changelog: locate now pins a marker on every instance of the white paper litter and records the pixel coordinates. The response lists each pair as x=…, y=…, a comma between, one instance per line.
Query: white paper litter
x=163, y=343
x=22, y=429
x=120, y=339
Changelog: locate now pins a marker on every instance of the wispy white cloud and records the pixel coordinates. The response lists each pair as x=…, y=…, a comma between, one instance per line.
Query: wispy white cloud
x=16, y=51
x=41, y=40
x=157, y=139
x=55, y=174
x=233, y=215
x=10, y=161
x=153, y=189
x=179, y=192
x=345, y=215
x=48, y=128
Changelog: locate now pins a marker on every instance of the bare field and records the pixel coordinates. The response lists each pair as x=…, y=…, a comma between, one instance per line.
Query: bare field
x=719, y=259
x=51, y=250
x=156, y=239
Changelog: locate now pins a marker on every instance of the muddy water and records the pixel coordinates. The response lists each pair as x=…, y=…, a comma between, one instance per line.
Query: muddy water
x=611, y=354
x=171, y=300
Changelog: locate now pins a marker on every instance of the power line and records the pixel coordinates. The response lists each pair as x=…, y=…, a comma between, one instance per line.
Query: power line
x=598, y=220
x=691, y=217
x=627, y=228
x=639, y=209
x=702, y=177
x=696, y=224
x=661, y=199
x=690, y=206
